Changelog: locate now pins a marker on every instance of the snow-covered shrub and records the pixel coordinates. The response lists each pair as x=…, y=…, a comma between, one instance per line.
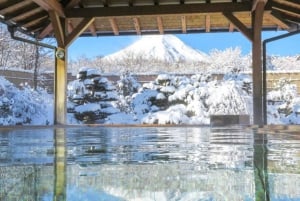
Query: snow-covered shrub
x=128, y=84
x=283, y=104
x=126, y=87
x=173, y=115
x=24, y=107
x=242, y=81
x=142, y=101
x=224, y=98
x=193, y=100
x=91, y=96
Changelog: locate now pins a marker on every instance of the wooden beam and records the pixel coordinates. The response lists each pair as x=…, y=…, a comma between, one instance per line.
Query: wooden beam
x=14, y=7
x=29, y=16
x=51, y=5
x=114, y=26
x=277, y=20
x=286, y=8
x=255, y=2
x=81, y=27
x=239, y=25
x=8, y=3
x=38, y=21
x=160, y=25
x=137, y=26
x=70, y=25
x=183, y=24
x=183, y=9
x=282, y=15
x=36, y=27
x=58, y=28
x=46, y=31
x=289, y=3
x=207, y=23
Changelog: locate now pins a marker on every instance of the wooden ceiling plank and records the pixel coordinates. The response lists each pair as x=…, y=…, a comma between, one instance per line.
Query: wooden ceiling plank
x=36, y=21
x=137, y=26
x=46, y=31
x=183, y=24
x=277, y=20
x=157, y=10
x=160, y=25
x=207, y=23
x=79, y=29
x=285, y=16
x=114, y=26
x=51, y=5
x=21, y=12
x=8, y=3
x=58, y=28
x=14, y=7
x=287, y=13
x=239, y=25
x=29, y=16
x=291, y=3
x=286, y=8
x=36, y=26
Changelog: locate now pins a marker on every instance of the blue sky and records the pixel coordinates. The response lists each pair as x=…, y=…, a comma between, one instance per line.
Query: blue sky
x=205, y=42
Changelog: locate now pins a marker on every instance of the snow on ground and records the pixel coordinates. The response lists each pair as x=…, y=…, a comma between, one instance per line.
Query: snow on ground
x=25, y=106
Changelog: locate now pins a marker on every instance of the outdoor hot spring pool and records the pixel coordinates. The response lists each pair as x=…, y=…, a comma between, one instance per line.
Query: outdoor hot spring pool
x=149, y=163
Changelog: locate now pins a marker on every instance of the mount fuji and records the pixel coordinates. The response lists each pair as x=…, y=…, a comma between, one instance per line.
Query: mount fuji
x=164, y=48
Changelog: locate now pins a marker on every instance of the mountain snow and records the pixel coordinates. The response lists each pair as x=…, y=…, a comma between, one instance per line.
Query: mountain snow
x=166, y=48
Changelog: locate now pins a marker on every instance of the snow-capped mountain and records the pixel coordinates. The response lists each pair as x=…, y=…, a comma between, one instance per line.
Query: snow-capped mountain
x=165, y=48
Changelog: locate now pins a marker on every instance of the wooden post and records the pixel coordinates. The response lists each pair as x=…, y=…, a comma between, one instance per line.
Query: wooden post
x=257, y=21
x=64, y=39
x=60, y=86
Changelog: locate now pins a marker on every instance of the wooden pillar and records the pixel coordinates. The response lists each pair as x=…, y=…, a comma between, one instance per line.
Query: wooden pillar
x=257, y=21
x=60, y=85
x=64, y=39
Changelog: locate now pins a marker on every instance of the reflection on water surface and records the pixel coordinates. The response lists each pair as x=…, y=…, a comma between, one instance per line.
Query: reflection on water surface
x=138, y=163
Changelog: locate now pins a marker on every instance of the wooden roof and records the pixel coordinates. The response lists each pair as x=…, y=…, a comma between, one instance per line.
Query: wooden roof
x=129, y=17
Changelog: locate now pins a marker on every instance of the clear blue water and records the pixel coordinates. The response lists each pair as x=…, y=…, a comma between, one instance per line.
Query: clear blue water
x=150, y=163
